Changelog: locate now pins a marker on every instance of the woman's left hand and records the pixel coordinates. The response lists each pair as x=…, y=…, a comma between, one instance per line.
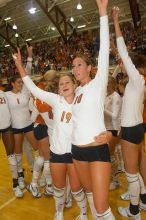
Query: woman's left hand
x=103, y=137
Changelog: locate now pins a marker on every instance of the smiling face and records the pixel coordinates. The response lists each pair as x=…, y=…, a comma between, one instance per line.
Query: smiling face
x=81, y=70
x=66, y=86
x=17, y=85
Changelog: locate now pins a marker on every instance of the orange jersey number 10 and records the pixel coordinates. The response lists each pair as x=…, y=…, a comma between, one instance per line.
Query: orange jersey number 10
x=78, y=99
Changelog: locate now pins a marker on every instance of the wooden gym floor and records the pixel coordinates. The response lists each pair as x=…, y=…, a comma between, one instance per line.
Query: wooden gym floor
x=29, y=208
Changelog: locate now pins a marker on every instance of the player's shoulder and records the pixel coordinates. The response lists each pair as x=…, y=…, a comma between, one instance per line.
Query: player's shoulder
x=2, y=92
x=9, y=93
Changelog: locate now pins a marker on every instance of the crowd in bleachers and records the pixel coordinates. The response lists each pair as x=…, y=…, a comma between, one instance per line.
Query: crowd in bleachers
x=58, y=55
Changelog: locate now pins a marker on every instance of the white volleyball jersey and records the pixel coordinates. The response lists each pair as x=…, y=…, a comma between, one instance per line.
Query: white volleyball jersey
x=88, y=106
x=31, y=103
x=62, y=117
x=5, y=118
x=48, y=121
x=134, y=92
x=112, y=111
x=34, y=114
x=19, y=108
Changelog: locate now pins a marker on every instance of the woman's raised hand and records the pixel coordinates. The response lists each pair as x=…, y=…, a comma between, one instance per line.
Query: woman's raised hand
x=115, y=13
x=29, y=51
x=102, y=6
x=17, y=57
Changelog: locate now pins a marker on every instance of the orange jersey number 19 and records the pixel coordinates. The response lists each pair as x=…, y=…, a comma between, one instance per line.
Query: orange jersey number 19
x=66, y=116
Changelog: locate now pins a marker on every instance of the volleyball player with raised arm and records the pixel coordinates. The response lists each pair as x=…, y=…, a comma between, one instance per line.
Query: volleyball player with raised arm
x=61, y=162
x=18, y=101
x=92, y=159
x=88, y=122
x=132, y=132
x=42, y=118
x=112, y=118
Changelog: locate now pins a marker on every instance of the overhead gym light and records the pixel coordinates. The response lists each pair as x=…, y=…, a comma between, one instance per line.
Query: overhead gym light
x=14, y=27
x=72, y=19
x=81, y=26
x=7, y=45
x=7, y=19
x=16, y=35
x=29, y=39
x=79, y=6
x=32, y=10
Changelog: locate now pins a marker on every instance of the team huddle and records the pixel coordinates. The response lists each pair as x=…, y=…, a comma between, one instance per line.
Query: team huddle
x=75, y=123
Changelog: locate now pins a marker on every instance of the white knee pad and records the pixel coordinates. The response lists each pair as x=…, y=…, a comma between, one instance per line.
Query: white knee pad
x=79, y=196
x=134, y=187
x=68, y=189
x=47, y=173
x=19, y=162
x=107, y=215
x=12, y=160
x=18, y=157
x=58, y=193
x=142, y=186
x=59, y=196
x=39, y=163
x=13, y=166
x=91, y=204
x=131, y=178
x=47, y=167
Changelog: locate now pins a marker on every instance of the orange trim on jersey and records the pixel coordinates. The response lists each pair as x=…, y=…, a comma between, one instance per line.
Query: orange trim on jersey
x=42, y=106
x=39, y=120
x=41, y=85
